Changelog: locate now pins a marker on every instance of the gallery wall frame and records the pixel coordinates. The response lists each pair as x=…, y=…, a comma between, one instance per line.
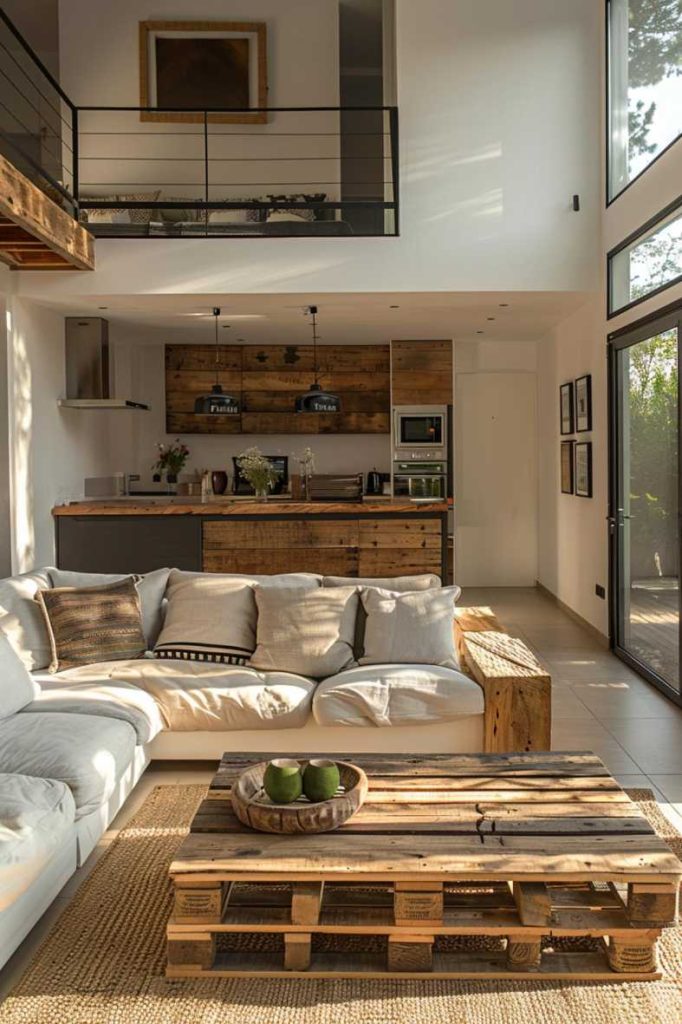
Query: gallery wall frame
x=583, y=469
x=566, y=408
x=190, y=67
x=583, y=404
x=567, y=467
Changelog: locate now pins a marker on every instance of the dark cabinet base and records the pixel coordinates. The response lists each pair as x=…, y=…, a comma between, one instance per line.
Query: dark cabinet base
x=128, y=544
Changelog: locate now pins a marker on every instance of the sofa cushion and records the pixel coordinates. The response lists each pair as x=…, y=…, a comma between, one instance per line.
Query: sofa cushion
x=410, y=628
x=36, y=816
x=92, y=624
x=210, y=617
x=309, y=632
x=397, y=584
x=151, y=587
x=383, y=695
x=88, y=753
x=17, y=686
x=426, y=581
x=95, y=690
x=194, y=696
x=22, y=620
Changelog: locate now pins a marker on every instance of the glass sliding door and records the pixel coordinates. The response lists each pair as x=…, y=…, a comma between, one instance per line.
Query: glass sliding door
x=645, y=523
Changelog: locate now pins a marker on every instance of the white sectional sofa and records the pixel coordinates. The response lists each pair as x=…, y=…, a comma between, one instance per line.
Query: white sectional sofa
x=72, y=750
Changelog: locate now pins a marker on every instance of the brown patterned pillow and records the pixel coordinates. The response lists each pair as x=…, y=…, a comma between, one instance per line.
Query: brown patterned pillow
x=91, y=624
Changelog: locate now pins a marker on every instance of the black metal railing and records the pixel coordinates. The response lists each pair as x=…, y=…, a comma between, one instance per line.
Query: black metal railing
x=38, y=121
x=133, y=172
x=147, y=171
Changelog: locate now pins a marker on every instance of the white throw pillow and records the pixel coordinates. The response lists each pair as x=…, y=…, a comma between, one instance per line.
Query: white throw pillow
x=209, y=617
x=17, y=686
x=21, y=618
x=307, y=632
x=410, y=628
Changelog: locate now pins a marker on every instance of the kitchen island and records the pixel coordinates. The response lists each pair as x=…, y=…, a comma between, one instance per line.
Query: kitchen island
x=369, y=538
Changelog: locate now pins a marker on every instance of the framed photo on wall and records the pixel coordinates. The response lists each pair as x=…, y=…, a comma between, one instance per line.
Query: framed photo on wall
x=583, y=403
x=566, y=407
x=191, y=66
x=583, y=469
x=567, y=481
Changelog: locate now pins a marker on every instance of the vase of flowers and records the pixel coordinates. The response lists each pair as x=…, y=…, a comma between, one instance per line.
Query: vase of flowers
x=258, y=471
x=306, y=463
x=171, y=459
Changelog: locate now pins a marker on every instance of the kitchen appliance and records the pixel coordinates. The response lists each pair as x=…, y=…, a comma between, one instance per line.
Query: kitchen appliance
x=420, y=479
x=329, y=487
x=373, y=482
x=280, y=462
x=88, y=373
x=420, y=432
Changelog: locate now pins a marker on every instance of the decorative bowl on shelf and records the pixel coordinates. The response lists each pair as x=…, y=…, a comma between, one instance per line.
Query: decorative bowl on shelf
x=254, y=807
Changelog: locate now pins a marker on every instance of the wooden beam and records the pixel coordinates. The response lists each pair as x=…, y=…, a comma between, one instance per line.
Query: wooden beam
x=27, y=207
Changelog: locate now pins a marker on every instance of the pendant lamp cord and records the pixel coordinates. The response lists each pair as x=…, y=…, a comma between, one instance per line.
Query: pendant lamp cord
x=216, y=314
x=313, y=313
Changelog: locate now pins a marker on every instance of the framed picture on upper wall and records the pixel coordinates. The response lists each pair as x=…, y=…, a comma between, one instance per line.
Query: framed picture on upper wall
x=583, y=403
x=583, y=469
x=566, y=407
x=187, y=67
x=567, y=485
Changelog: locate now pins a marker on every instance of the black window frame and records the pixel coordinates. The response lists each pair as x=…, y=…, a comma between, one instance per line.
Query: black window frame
x=607, y=119
x=674, y=206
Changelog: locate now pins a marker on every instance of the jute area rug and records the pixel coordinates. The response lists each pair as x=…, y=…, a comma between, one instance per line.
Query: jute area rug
x=103, y=962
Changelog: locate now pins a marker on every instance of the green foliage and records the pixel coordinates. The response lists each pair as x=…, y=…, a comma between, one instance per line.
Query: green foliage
x=653, y=437
x=654, y=53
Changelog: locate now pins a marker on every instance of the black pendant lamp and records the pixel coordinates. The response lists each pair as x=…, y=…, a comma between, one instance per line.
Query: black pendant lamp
x=217, y=402
x=316, y=399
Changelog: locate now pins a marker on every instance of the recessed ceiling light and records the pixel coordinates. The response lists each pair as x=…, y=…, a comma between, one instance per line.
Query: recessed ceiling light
x=490, y=318
x=479, y=332
x=503, y=304
x=394, y=307
x=103, y=307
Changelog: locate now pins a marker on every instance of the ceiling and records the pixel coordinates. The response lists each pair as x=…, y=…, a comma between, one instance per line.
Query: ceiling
x=351, y=318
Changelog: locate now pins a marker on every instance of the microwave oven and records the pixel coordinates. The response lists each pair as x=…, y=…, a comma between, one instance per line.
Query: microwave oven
x=421, y=429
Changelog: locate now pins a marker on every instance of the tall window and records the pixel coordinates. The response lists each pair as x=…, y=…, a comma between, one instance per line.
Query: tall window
x=645, y=85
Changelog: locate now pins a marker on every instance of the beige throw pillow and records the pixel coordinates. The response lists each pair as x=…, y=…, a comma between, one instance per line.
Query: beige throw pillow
x=308, y=632
x=209, y=617
x=410, y=628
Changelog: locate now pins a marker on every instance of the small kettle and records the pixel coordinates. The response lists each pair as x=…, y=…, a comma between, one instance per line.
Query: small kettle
x=374, y=482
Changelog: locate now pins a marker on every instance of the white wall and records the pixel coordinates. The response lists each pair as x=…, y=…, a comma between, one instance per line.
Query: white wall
x=498, y=131
x=138, y=355
x=5, y=500
x=51, y=450
x=572, y=535
x=495, y=464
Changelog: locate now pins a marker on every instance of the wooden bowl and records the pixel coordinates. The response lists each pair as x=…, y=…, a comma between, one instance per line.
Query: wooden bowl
x=254, y=807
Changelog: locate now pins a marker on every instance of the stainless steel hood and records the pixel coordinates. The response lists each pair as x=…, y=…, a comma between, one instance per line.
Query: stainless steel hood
x=87, y=367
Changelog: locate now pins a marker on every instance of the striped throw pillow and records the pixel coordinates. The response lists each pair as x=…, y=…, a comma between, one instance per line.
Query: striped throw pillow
x=210, y=617
x=92, y=624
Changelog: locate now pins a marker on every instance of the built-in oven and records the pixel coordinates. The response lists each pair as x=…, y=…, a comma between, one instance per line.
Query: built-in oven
x=420, y=428
x=420, y=479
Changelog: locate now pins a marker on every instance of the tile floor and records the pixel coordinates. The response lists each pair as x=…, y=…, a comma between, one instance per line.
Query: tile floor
x=598, y=704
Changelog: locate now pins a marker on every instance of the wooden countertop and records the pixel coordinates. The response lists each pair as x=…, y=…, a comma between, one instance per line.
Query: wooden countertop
x=213, y=507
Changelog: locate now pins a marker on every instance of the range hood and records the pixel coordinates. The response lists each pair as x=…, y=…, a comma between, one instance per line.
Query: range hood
x=87, y=367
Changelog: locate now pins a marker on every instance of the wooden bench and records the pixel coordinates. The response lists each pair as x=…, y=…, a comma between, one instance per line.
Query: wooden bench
x=517, y=687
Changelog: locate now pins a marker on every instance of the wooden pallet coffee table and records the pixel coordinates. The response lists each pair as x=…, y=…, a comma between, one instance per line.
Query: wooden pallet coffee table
x=522, y=851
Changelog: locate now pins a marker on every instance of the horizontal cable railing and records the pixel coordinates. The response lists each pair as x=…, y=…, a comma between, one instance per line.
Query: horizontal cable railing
x=38, y=121
x=150, y=172
x=162, y=172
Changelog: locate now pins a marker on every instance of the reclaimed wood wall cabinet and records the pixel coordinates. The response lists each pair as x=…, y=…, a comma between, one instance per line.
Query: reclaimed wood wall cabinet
x=421, y=372
x=269, y=378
